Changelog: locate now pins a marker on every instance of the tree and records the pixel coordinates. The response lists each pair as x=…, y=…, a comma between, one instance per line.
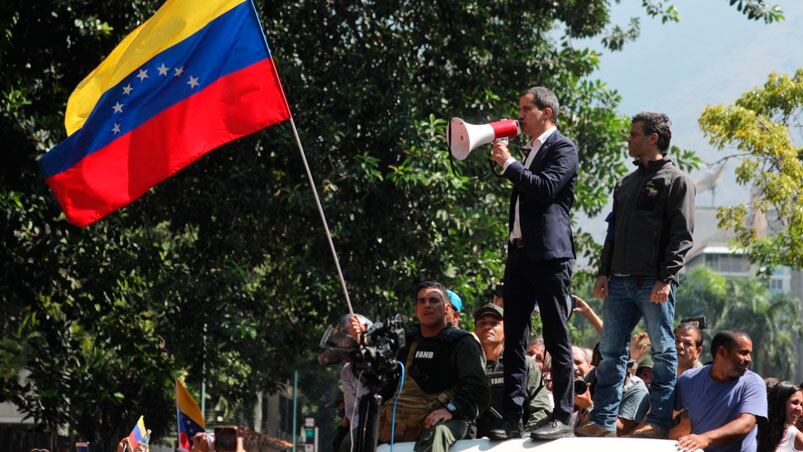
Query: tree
x=758, y=9
x=224, y=266
x=760, y=125
x=771, y=320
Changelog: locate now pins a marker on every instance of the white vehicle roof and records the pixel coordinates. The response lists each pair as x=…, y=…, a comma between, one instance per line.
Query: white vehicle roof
x=560, y=445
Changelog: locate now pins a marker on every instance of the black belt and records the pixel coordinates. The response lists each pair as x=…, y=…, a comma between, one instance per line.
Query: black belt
x=517, y=243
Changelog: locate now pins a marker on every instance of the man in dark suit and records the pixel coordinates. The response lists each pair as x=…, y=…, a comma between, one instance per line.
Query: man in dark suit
x=539, y=261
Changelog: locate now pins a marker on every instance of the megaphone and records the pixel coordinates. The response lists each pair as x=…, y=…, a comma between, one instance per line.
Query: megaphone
x=464, y=137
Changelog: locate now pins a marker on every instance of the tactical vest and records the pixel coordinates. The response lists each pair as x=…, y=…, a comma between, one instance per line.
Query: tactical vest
x=434, y=366
x=496, y=378
x=489, y=420
x=430, y=380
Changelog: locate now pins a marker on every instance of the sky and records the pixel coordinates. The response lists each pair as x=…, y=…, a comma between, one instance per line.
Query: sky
x=711, y=57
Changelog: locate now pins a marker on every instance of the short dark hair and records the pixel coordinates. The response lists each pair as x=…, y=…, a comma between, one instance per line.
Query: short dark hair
x=499, y=289
x=434, y=285
x=658, y=123
x=543, y=98
x=727, y=339
x=691, y=328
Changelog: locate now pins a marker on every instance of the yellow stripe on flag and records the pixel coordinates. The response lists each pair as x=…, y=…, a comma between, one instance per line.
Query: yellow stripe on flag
x=141, y=424
x=187, y=405
x=175, y=21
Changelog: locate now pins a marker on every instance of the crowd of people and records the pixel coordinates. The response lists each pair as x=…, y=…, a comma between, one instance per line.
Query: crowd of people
x=720, y=405
x=500, y=383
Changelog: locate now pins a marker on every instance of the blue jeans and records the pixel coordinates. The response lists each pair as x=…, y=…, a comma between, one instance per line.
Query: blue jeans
x=628, y=300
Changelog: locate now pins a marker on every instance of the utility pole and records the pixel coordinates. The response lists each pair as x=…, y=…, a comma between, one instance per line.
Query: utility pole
x=295, y=409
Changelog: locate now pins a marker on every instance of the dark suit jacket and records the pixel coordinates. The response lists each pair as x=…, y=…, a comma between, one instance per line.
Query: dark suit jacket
x=546, y=193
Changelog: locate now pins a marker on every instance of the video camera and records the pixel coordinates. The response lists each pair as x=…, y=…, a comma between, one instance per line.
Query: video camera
x=374, y=359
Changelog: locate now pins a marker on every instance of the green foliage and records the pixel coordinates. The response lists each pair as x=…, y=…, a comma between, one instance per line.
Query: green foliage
x=616, y=36
x=663, y=9
x=771, y=320
x=759, y=125
x=758, y=10
x=686, y=160
x=230, y=250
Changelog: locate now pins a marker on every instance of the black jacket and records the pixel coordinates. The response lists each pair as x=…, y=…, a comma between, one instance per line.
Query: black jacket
x=546, y=193
x=652, y=223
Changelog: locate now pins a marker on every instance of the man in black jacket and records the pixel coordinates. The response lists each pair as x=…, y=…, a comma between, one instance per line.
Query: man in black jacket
x=650, y=232
x=539, y=261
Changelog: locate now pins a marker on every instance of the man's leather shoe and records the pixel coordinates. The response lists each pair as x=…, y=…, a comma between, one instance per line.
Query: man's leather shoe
x=589, y=429
x=648, y=431
x=554, y=429
x=510, y=430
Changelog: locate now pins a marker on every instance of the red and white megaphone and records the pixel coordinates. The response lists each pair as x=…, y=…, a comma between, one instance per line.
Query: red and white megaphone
x=464, y=137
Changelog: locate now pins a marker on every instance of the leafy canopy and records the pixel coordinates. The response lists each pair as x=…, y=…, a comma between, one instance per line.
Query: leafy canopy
x=223, y=269
x=761, y=126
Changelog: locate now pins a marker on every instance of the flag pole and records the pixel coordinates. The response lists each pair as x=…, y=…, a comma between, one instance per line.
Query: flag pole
x=306, y=165
x=178, y=422
x=203, y=379
x=323, y=217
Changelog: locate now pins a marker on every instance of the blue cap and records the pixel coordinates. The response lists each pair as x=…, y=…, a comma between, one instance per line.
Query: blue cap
x=457, y=303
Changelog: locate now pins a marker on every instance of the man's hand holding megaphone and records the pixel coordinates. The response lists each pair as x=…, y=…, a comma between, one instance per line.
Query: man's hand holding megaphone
x=500, y=152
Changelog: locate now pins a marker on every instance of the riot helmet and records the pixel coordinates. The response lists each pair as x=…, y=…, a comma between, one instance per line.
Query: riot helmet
x=336, y=343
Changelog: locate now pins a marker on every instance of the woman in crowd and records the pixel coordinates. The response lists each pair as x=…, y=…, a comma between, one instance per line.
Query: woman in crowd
x=785, y=406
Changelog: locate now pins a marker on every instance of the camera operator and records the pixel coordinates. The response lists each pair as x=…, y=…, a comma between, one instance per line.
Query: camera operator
x=445, y=386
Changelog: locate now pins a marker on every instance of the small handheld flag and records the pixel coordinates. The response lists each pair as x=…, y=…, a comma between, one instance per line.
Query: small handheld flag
x=139, y=435
x=194, y=76
x=189, y=417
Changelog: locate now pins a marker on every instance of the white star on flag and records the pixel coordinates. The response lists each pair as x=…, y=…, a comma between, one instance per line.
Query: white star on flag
x=162, y=69
x=116, y=128
x=142, y=74
x=127, y=89
x=118, y=107
x=193, y=82
x=179, y=71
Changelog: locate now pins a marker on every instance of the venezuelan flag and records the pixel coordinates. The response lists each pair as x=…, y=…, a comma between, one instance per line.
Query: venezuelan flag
x=190, y=418
x=194, y=76
x=138, y=434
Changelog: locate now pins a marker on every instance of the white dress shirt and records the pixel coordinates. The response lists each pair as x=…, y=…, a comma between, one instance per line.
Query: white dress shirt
x=535, y=146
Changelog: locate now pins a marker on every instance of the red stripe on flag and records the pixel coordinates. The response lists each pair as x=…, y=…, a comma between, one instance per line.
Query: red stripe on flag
x=132, y=439
x=184, y=441
x=236, y=105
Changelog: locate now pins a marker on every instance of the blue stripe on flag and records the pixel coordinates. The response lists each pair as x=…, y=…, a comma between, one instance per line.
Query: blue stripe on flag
x=227, y=44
